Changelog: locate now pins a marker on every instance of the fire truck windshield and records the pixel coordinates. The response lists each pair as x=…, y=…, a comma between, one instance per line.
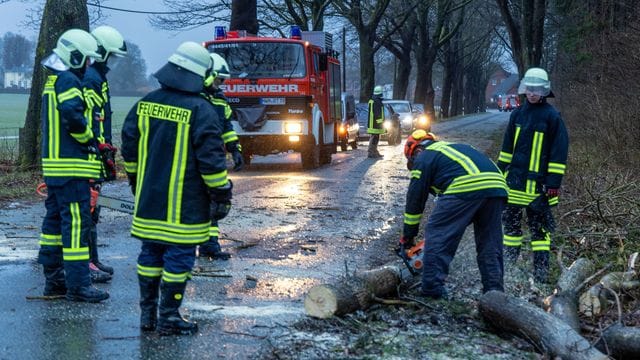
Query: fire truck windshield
x=256, y=60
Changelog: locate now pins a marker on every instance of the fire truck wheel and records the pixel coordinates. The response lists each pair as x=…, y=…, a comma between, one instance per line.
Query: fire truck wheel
x=310, y=157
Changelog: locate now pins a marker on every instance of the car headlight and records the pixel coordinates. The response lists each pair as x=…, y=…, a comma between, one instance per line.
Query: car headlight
x=423, y=120
x=386, y=125
x=407, y=120
x=293, y=127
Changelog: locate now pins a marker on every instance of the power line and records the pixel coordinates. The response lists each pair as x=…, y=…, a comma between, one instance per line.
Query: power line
x=141, y=11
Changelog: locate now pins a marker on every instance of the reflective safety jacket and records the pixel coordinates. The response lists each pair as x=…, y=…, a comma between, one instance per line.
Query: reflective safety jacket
x=219, y=101
x=171, y=142
x=534, y=152
x=66, y=133
x=376, y=115
x=449, y=169
x=98, y=99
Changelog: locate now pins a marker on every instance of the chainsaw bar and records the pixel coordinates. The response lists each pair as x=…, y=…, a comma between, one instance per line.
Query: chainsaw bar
x=125, y=206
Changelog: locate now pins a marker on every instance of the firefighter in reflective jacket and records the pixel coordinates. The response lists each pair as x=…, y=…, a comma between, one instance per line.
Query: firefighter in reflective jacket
x=214, y=94
x=533, y=157
x=98, y=99
x=175, y=160
x=376, y=120
x=469, y=188
x=69, y=163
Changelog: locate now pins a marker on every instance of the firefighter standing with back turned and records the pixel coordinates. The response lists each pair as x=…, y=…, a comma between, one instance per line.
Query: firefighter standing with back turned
x=214, y=94
x=376, y=119
x=98, y=98
x=175, y=160
x=469, y=188
x=533, y=157
x=69, y=162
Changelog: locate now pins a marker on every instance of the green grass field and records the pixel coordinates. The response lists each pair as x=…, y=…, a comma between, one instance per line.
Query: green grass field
x=13, y=108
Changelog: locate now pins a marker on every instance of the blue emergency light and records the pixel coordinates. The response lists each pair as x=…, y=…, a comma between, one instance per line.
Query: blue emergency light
x=220, y=33
x=295, y=32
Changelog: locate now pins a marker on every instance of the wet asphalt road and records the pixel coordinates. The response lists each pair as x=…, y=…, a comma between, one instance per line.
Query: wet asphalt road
x=288, y=230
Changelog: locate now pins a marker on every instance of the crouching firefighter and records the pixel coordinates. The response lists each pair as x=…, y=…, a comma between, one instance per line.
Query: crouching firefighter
x=533, y=157
x=175, y=161
x=214, y=94
x=69, y=163
x=469, y=188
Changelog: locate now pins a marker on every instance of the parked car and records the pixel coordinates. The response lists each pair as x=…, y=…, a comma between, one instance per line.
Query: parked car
x=405, y=112
x=349, y=126
x=391, y=124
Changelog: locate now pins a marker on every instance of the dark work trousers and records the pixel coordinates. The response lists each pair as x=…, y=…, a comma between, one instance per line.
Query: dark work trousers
x=445, y=227
x=65, y=231
x=374, y=139
x=512, y=222
x=173, y=262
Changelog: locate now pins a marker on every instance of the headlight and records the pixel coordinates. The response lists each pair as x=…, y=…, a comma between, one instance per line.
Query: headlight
x=341, y=129
x=292, y=127
x=407, y=120
x=386, y=124
x=423, y=120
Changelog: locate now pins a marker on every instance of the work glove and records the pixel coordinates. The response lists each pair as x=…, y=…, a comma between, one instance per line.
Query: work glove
x=132, y=182
x=220, y=201
x=238, y=161
x=553, y=192
x=108, y=155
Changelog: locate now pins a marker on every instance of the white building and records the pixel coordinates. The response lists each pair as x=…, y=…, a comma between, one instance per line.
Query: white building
x=17, y=79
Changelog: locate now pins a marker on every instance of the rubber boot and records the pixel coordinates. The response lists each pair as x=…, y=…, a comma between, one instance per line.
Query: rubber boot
x=511, y=254
x=213, y=250
x=98, y=276
x=54, y=281
x=86, y=294
x=149, y=293
x=541, y=266
x=170, y=321
x=93, y=252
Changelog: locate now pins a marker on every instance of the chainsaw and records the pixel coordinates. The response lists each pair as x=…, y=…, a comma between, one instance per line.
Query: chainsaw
x=98, y=199
x=412, y=257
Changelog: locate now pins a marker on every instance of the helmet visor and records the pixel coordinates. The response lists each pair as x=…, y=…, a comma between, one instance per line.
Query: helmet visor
x=534, y=86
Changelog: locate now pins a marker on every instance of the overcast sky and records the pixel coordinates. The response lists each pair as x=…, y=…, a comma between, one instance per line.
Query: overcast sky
x=156, y=45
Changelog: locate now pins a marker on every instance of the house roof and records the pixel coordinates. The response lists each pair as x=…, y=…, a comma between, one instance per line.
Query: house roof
x=506, y=85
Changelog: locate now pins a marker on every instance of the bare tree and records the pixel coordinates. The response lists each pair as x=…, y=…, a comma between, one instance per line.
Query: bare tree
x=398, y=37
x=244, y=16
x=308, y=14
x=186, y=15
x=365, y=16
x=57, y=17
x=524, y=21
x=431, y=36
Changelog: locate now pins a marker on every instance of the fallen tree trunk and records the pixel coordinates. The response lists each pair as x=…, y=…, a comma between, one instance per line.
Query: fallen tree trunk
x=564, y=302
x=355, y=292
x=550, y=334
x=621, y=342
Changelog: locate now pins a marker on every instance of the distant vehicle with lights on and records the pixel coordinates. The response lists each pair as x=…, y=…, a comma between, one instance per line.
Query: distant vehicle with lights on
x=405, y=112
x=392, y=134
x=285, y=92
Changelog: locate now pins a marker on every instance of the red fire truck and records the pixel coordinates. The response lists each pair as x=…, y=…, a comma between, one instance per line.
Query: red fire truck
x=285, y=92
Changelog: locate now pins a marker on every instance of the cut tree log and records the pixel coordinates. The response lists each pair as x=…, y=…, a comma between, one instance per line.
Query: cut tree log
x=356, y=292
x=548, y=333
x=564, y=302
x=622, y=342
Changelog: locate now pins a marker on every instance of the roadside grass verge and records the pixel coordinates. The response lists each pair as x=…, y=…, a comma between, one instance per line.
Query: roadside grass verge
x=17, y=184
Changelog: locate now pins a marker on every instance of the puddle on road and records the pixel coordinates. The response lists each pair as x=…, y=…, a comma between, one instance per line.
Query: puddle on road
x=206, y=310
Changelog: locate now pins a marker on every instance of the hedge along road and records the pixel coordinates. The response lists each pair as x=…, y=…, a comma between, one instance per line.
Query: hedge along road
x=288, y=230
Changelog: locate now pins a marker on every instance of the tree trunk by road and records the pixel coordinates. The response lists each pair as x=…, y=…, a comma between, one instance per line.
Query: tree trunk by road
x=357, y=292
x=550, y=334
x=244, y=16
x=57, y=17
